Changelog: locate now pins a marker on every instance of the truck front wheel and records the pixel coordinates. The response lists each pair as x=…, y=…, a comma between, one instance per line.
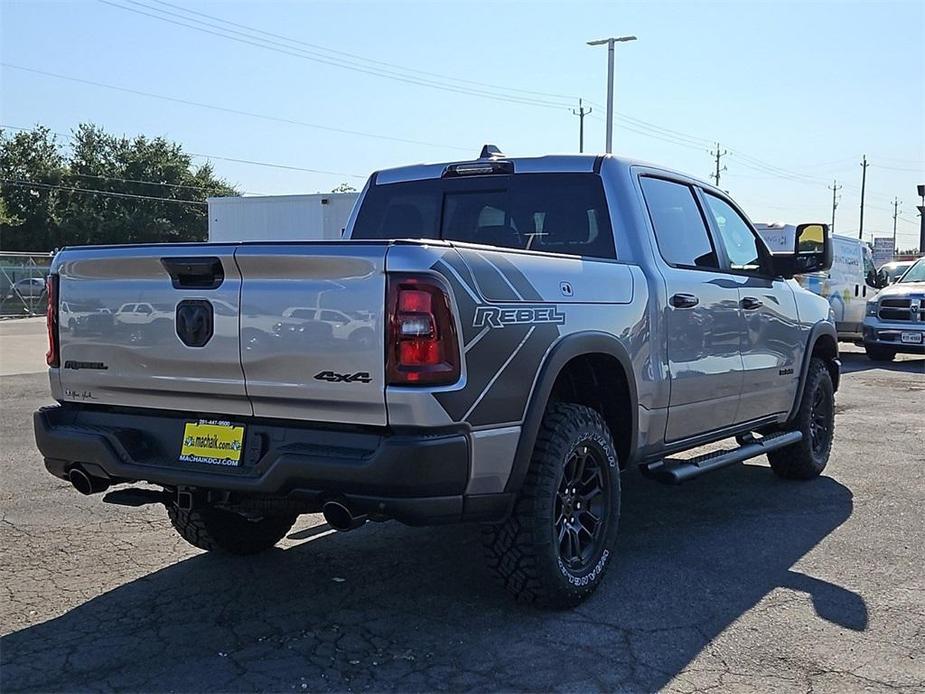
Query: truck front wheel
x=556, y=545
x=807, y=458
x=211, y=528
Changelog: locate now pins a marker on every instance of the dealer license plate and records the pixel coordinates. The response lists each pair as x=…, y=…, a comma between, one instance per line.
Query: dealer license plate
x=212, y=442
x=911, y=338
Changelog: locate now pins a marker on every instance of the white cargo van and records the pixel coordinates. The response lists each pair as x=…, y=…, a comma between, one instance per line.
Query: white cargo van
x=848, y=285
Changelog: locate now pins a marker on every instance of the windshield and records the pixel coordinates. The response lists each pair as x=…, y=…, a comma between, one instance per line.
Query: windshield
x=916, y=273
x=556, y=213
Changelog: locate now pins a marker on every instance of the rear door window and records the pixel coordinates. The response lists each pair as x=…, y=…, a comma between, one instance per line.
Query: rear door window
x=680, y=230
x=555, y=213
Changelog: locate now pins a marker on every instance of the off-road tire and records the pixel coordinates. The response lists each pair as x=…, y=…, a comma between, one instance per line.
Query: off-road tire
x=877, y=353
x=524, y=551
x=806, y=459
x=216, y=529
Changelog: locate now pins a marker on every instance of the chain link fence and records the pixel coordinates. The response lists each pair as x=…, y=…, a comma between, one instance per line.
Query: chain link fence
x=22, y=283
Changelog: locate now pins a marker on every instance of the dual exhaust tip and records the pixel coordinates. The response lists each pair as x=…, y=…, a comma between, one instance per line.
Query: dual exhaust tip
x=336, y=514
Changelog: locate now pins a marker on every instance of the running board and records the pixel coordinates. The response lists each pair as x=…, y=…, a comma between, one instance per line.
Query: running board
x=675, y=471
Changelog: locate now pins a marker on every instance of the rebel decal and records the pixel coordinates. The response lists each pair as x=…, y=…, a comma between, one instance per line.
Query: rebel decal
x=504, y=343
x=517, y=314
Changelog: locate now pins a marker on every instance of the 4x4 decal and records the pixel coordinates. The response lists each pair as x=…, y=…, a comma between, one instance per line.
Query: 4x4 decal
x=331, y=377
x=501, y=316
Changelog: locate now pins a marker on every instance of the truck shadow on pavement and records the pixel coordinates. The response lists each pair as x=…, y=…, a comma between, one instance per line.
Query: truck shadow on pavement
x=394, y=608
x=854, y=361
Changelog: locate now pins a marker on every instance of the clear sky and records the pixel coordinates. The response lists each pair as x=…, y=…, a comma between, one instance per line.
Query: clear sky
x=796, y=92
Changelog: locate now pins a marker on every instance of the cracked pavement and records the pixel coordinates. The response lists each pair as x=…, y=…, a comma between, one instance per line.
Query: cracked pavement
x=734, y=582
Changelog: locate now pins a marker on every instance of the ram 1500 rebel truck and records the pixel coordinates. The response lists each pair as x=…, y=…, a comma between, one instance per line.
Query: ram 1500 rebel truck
x=493, y=341
x=895, y=318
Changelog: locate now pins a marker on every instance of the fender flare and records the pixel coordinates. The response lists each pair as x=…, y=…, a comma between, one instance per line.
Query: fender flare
x=820, y=329
x=563, y=351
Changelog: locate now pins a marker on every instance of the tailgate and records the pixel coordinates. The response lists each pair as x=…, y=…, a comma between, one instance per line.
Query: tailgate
x=120, y=339
x=312, y=333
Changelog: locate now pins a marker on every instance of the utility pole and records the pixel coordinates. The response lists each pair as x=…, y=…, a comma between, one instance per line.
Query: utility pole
x=896, y=203
x=834, y=188
x=920, y=189
x=581, y=113
x=610, y=42
x=864, y=166
x=717, y=155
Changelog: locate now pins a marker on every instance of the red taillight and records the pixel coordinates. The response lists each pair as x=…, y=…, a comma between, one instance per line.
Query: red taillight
x=421, y=347
x=53, y=356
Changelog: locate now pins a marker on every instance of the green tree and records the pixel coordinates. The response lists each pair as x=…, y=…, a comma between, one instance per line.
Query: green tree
x=31, y=217
x=344, y=188
x=108, y=189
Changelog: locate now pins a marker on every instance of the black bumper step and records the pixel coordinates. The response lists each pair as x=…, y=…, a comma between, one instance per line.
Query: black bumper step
x=675, y=471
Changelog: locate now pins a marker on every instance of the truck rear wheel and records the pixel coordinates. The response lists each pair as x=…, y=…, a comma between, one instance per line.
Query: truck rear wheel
x=556, y=545
x=217, y=529
x=807, y=458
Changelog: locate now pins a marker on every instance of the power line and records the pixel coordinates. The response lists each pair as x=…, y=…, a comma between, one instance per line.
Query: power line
x=277, y=47
x=223, y=109
x=140, y=181
x=653, y=134
x=897, y=168
x=201, y=155
x=277, y=166
x=359, y=57
x=107, y=193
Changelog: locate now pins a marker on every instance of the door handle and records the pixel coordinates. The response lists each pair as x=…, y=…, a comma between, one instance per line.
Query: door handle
x=684, y=301
x=750, y=303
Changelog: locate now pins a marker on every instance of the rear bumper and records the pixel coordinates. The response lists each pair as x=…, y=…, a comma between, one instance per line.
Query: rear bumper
x=418, y=477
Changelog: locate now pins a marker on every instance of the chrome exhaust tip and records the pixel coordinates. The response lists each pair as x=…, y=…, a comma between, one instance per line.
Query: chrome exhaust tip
x=84, y=483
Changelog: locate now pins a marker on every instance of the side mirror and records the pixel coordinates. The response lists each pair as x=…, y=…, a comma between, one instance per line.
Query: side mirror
x=812, y=252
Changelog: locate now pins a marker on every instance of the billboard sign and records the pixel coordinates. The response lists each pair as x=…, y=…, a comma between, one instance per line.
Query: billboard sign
x=883, y=250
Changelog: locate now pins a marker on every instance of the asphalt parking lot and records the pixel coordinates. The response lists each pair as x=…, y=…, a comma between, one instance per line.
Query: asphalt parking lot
x=737, y=581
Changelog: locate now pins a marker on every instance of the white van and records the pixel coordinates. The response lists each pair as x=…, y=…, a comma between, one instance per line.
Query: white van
x=852, y=280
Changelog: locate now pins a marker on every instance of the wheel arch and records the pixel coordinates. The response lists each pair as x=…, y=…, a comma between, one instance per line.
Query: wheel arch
x=568, y=358
x=822, y=343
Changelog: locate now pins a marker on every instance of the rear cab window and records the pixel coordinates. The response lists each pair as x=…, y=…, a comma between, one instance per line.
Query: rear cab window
x=554, y=213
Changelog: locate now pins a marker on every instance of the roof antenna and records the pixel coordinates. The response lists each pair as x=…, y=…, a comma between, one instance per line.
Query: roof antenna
x=490, y=152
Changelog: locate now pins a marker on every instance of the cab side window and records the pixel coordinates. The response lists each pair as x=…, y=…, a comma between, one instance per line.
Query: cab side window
x=739, y=240
x=679, y=227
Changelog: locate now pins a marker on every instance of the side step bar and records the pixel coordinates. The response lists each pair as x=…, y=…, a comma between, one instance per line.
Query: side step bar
x=676, y=471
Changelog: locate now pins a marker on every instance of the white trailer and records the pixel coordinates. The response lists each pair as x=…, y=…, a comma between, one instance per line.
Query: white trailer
x=279, y=217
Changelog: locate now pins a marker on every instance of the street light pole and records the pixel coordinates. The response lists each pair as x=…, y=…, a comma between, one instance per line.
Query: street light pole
x=610, y=42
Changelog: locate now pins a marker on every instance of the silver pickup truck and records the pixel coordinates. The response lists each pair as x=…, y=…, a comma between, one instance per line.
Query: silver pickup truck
x=494, y=341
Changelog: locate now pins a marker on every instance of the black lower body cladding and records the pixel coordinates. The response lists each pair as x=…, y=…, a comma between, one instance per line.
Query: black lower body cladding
x=418, y=477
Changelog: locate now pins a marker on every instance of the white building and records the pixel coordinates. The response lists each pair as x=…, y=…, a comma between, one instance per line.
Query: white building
x=279, y=217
